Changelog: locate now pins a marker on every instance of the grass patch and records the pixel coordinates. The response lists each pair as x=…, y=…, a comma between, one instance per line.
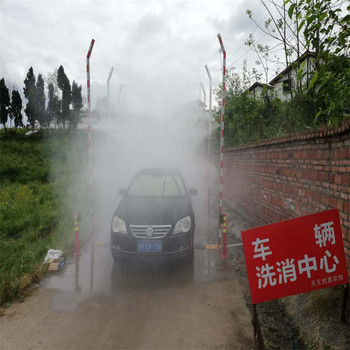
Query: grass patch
x=42, y=183
x=317, y=315
x=326, y=303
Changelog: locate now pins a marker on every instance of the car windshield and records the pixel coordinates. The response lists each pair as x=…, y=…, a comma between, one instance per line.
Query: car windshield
x=156, y=185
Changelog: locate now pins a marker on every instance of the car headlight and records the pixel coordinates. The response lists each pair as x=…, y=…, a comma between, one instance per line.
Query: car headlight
x=183, y=225
x=118, y=225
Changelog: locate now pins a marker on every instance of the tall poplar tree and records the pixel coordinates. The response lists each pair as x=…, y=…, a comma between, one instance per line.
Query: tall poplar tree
x=4, y=102
x=40, y=100
x=16, y=108
x=64, y=85
x=77, y=102
x=53, y=105
x=30, y=94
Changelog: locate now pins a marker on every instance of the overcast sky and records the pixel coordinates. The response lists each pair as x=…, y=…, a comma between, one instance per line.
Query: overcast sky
x=158, y=48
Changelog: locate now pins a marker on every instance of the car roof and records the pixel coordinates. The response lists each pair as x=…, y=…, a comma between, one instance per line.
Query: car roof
x=159, y=171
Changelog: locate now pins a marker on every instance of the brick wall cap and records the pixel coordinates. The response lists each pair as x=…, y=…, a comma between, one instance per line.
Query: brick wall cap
x=307, y=134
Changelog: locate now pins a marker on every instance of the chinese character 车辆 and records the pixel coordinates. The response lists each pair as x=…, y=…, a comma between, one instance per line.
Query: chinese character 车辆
x=260, y=249
x=324, y=233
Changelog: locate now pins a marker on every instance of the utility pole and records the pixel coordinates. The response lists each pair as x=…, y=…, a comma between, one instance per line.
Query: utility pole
x=108, y=96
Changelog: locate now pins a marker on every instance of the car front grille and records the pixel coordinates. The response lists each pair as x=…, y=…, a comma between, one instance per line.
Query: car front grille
x=149, y=231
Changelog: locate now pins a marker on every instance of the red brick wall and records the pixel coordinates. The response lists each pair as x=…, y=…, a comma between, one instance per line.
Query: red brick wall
x=299, y=174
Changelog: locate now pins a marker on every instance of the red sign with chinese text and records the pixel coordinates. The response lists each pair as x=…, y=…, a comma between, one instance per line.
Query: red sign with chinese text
x=295, y=256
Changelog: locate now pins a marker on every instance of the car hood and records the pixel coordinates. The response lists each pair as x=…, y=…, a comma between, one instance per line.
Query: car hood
x=153, y=210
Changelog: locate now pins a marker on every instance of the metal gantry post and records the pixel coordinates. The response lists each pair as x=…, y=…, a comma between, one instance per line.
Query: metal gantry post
x=209, y=141
x=222, y=127
x=204, y=116
x=108, y=92
x=119, y=101
x=204, y=96
x=91, y=200
x=210, y=95
x=77, y=250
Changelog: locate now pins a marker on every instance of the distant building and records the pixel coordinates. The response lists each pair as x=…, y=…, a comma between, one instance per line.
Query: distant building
x=282, y=84
x=259, y=90
x=287, y=79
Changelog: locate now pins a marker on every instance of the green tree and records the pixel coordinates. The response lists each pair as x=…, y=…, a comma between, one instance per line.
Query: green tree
x=77, y=102
x=77, y=99
x=53, y=106
x=40, y=100
x=326, y=30
x=64, y=85
x=284, y=32
x=4, y=102
x=52, y=79
x=30, y=94
x=320, y=26
x=16, y=108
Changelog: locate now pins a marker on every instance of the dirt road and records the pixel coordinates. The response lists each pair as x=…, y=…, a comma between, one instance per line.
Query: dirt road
x=143, y=308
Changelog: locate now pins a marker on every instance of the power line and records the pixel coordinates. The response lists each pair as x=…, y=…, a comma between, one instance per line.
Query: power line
x=243, y=54
x=257, y=26
x=243, y=44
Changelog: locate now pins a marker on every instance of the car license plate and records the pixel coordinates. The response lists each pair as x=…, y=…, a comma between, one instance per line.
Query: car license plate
x=149, y=246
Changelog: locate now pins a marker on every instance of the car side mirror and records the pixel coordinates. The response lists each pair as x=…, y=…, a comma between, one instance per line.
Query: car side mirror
x=192, y=192
x=122, y=191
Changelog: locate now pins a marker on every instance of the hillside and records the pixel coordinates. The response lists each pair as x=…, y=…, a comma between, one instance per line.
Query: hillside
x=36, y=205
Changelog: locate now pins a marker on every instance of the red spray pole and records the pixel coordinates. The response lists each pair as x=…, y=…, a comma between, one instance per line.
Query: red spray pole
x=222, y=128
x=90, y=139
x=77, y=250
x=224, y=238
x=77, y=238
x=92, y=235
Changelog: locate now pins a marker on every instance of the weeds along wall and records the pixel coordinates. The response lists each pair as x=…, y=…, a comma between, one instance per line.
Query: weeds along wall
x=295, y=175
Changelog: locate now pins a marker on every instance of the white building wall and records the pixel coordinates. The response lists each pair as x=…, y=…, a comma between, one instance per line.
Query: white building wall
x=257, y=92
x=309, y=67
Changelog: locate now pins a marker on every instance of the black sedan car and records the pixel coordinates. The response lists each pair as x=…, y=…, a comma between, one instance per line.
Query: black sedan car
x=154, y=220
